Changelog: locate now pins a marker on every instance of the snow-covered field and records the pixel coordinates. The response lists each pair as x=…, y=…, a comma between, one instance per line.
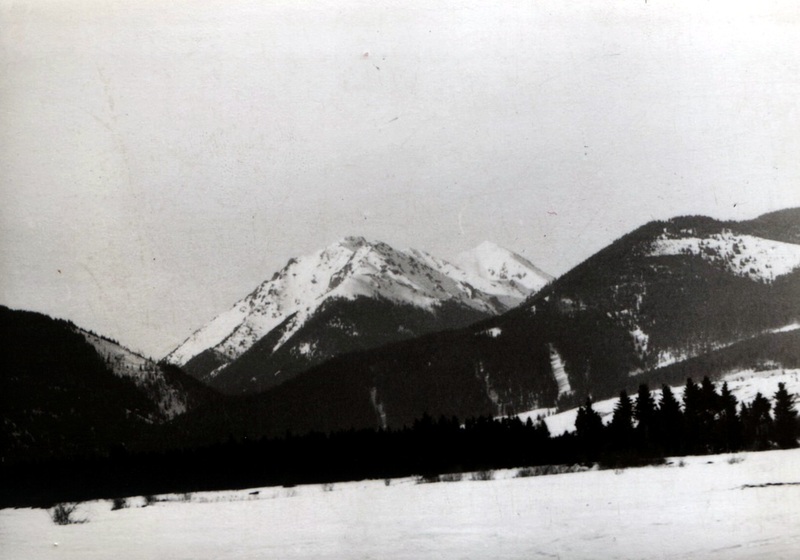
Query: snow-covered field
x=726, y=507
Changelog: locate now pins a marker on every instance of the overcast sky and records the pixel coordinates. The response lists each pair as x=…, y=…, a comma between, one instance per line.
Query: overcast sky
x=159, y=159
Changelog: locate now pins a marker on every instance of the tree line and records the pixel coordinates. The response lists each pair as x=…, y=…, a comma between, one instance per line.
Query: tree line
x=642, y=430
x=710, y=421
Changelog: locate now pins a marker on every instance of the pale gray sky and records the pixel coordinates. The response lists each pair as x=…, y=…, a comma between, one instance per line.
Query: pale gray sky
x=160, y=159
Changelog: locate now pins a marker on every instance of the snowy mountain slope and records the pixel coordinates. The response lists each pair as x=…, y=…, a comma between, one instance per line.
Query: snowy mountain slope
x=743, y=255
x=171, y=398
x=687, y=286
x=337, y=327
x=493, y=270
x=352, y=270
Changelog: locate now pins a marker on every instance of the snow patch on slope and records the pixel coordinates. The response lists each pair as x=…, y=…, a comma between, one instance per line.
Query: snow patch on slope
x=668, y=357
x=747, y=256
x=640, y=340
x=491, y=393
x=786, y=328
x=557, y=365
x=306, y=348
x=378, y=406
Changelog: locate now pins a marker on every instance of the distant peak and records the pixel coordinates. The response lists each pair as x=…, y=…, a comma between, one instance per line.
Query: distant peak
x=490, y=246
x=488, y=250
x=493, y=262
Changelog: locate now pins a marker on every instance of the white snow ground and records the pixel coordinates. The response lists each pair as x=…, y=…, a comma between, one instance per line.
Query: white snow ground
x=713, y=507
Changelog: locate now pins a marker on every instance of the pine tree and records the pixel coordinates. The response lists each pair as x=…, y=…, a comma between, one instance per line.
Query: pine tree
x=692, y=414
x=645, y=412
x=622, y=422
x=710, y=401
x=701, y=408
x=785, y=424
x=669, y=421
x=589, y=429
x=542, y=431
x=757, y=423
x=728, y=436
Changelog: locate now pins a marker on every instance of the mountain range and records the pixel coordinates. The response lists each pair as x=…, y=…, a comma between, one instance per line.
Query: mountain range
x=684, y=291
x=361, y=335
x=352, y=295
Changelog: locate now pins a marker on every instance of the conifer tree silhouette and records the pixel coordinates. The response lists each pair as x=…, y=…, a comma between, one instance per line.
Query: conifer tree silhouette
x=757, y=423
x=589, y=429
x=728, y=433
x=670, y=422
x=785, y=424
x=644, y=412
x=621, y=428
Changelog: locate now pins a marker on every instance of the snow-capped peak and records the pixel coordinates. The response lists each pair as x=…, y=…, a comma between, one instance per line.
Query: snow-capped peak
x=493, y=263
x=350, y=268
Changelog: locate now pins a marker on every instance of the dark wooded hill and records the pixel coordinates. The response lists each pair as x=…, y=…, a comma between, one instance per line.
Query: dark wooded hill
x=65, y=392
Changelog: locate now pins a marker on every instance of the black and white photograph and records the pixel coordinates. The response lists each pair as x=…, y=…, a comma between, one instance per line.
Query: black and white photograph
x=399, y=279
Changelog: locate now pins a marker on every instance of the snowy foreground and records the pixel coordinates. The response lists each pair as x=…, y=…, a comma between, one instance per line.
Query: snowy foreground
x=723, y=506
